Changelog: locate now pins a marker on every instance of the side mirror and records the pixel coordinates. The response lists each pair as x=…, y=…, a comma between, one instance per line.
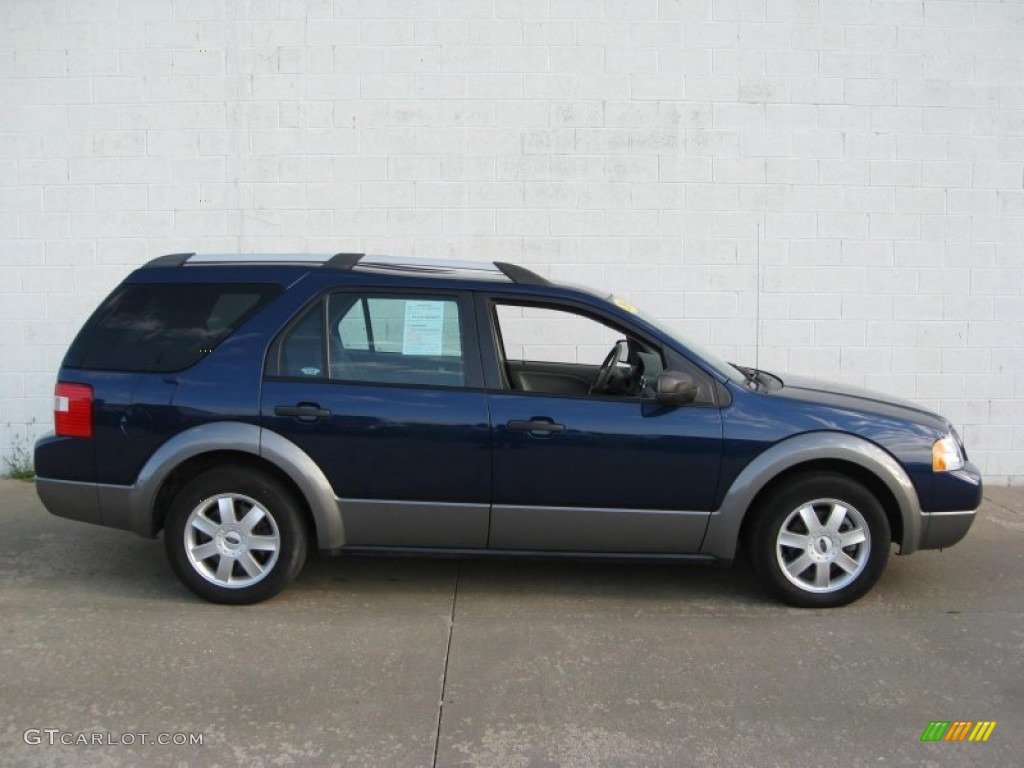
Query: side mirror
x=675, y=388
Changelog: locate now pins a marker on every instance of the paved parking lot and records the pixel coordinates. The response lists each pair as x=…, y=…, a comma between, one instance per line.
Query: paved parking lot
x=419, y=663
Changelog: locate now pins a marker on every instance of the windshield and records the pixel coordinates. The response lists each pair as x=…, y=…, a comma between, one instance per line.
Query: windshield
x=715, y=361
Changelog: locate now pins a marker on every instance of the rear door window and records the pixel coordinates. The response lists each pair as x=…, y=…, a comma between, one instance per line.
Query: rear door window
x=377, y=339
x=395, y=340
x=412, y=327
x=162, y=327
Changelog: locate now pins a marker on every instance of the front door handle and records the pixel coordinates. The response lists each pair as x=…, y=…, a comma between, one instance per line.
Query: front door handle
x=539, y=426
x=302, y=411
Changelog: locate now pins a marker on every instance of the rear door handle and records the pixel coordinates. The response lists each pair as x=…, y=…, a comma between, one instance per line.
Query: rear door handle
x=302, y=411
x=542, y=426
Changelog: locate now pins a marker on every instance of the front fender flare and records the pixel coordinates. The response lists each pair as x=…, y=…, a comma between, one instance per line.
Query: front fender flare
x=724, y=524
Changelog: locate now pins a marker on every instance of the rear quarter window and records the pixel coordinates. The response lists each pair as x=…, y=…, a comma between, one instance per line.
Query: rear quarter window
x=163, y=327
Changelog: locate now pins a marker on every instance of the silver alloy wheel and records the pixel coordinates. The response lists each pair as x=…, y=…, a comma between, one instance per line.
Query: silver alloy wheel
x=823, y=545
x=231, y=540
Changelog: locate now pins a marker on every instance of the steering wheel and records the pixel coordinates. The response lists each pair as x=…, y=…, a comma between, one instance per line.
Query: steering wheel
x=604, y=373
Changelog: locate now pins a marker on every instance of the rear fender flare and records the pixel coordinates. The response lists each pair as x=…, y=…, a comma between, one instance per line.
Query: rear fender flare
x=242, y=438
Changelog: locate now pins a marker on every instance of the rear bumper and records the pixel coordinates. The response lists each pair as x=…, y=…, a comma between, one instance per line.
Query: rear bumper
x=70, y=499
x=95, y=503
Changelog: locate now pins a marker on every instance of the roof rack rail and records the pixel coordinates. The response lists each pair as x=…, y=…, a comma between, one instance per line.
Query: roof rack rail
x=170, y=260
x=343, y=260
x=521, y=275
x=348, y=261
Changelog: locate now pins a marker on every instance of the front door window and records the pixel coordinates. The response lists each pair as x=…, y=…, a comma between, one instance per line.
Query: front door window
x=557, y=351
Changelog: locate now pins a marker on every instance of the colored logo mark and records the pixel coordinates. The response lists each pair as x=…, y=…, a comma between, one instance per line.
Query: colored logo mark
x=958, y=730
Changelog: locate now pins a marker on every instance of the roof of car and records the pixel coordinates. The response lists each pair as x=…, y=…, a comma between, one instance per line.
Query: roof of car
x=357, y=262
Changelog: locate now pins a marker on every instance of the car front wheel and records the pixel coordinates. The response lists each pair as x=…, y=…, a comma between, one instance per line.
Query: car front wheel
x=819, y=541
x=235, y=535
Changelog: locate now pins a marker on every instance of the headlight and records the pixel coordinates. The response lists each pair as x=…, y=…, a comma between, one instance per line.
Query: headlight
x=946, y=455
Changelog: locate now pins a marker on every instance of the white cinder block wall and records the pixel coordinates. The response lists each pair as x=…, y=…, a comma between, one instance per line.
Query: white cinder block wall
x=870, y=155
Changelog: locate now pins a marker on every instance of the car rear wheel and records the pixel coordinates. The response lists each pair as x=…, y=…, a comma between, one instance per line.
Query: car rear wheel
x=819, y=541
x=235, y=535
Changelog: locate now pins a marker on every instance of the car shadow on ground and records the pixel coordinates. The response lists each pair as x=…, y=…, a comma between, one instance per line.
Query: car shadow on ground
x=100, y=563
x=515, y=580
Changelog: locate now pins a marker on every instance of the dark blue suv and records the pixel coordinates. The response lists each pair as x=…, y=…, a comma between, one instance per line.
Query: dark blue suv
x=253, y=406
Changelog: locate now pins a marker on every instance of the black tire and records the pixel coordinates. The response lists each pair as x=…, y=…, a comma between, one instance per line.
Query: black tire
x=235, y=561
x=825, y=567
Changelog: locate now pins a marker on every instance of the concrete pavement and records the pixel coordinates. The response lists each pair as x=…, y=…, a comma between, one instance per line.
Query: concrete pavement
x=420, y=662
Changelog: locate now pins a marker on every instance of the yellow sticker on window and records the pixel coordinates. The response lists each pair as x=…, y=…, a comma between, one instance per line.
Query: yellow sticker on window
x=623, y=304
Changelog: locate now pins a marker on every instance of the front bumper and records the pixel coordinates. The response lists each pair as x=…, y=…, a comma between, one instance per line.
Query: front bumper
x=944, y=529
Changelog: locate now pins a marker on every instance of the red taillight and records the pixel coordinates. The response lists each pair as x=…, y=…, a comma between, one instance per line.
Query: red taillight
x=72, y=409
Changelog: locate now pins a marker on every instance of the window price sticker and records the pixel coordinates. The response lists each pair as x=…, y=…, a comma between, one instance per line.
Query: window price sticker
x=424, y=328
